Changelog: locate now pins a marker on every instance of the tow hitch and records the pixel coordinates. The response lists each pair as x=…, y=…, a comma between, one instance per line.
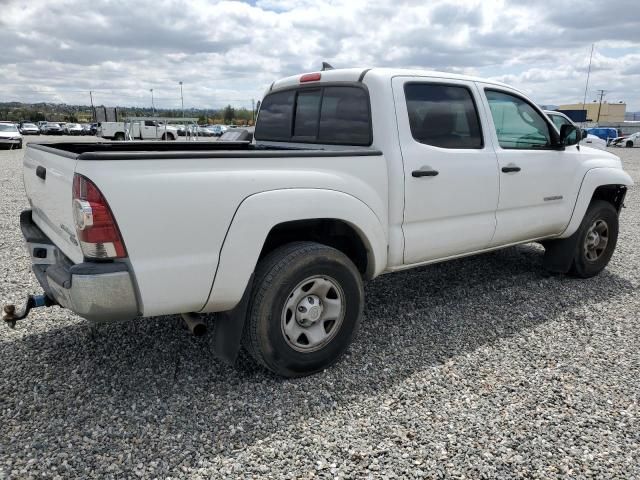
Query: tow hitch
x=10, y=316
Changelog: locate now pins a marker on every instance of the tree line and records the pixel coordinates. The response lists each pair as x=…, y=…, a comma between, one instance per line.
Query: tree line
x=17, y=112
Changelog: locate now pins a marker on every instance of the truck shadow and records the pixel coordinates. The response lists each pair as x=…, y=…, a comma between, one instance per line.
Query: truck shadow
x=149, y=378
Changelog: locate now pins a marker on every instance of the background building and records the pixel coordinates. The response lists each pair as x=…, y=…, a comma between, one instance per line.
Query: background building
x=609, y=112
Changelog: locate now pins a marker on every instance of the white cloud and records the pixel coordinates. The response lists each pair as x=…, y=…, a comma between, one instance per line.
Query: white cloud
x=230, y=51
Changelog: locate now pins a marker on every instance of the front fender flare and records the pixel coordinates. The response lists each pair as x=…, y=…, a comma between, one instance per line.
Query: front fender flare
x=259, y=213
x=594, y=178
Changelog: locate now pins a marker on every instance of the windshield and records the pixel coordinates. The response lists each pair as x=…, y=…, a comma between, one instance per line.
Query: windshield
x=4, y=127
x=28, y=125
x=559, y=121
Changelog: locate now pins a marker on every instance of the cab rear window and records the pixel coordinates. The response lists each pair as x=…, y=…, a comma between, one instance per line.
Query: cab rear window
x=338, y=115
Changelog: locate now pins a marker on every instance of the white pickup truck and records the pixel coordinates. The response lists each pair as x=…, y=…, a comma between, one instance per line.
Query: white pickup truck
x=141, y=130
x=353, y=174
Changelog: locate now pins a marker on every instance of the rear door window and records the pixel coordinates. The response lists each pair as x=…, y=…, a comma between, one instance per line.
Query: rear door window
x=337, y=115
x=444, y=116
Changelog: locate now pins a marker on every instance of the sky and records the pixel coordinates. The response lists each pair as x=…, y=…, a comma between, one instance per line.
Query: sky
x=229, y=52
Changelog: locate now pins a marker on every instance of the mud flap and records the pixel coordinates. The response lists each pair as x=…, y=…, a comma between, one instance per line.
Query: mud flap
x=228, y=327
x=559, y=254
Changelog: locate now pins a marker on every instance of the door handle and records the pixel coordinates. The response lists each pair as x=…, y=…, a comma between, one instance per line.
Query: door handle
x=511, y=168
x=41, y=172
x=425, y=171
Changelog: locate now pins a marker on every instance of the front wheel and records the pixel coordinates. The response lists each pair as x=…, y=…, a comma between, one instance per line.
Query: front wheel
x=597, y=238
x=629, y=144
x=305, y=307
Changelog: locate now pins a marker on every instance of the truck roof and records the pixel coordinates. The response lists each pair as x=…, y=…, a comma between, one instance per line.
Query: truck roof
x=358, y=74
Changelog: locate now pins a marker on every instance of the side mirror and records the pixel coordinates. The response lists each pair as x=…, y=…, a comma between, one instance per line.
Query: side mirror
x=583, y=134
x=569, y=135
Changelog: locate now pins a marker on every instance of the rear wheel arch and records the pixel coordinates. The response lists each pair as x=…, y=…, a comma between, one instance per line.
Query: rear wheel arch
x=331, y=232
x=266, y=220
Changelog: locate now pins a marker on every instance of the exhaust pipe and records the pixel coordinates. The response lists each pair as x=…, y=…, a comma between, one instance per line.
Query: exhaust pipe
x=196, y=326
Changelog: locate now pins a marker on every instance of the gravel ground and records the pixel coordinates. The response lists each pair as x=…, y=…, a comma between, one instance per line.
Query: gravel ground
x=481, y=367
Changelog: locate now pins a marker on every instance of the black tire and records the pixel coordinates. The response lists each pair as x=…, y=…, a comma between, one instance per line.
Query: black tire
x=275, y=281
x=167, y=136
x=629, y=144
x=119, y=137
x=602, y=211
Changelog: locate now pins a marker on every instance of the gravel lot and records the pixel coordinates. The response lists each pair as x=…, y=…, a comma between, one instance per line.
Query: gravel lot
x=481, y=367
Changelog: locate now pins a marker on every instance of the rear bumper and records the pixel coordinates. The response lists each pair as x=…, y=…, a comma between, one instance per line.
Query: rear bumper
x=96, y=291
x=10, y=141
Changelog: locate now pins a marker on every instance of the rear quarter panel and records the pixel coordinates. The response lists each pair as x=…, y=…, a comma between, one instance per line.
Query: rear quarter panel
x=174, y=214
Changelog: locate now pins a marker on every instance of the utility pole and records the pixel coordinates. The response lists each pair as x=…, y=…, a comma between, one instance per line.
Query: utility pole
x=153, y=107
x=253, y=111
x=586, y=87
x=93, y=110
x=602, y=94
x=181, y=99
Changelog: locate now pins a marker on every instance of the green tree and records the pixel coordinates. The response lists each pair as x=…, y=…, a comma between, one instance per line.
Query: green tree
x=229, y=114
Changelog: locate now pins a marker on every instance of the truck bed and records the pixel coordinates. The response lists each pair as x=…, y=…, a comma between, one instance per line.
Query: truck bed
x=175, y=203
x=174, y=150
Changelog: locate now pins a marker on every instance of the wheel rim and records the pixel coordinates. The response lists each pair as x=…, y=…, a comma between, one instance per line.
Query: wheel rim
x=596, y=240
x=313, y=313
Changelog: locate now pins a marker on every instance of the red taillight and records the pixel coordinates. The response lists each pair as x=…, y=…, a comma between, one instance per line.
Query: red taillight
x=310, y=77
x=96, y=228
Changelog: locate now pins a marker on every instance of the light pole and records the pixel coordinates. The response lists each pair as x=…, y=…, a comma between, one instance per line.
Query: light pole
x=182, y=100
x=153, y=107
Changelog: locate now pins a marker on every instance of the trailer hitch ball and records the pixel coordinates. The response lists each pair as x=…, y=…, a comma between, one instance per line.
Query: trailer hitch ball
x=9, y=312
x=33, y=301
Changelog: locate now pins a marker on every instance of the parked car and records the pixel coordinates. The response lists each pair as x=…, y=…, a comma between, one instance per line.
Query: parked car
x=202, y=131
x=29, y=129
x=559, y=119
x=89, y=128
x=629, y=141
x=217, y=130
x=141, y=130
x=10, y=136
x=279, y=236
x=605, y=133
x=73, y=129
x=192, y=130
x=50, y=128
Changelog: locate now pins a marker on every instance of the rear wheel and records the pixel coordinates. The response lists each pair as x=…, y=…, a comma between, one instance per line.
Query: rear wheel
x=119, y=136
x=305, y=307
x=597, y=238
x=629, y=144
x=167, y=136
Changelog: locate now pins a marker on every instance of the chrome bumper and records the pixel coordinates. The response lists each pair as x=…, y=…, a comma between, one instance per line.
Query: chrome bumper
x=96, y=291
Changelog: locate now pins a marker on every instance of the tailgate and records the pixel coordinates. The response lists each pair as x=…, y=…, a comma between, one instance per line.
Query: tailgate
x=48, y=182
